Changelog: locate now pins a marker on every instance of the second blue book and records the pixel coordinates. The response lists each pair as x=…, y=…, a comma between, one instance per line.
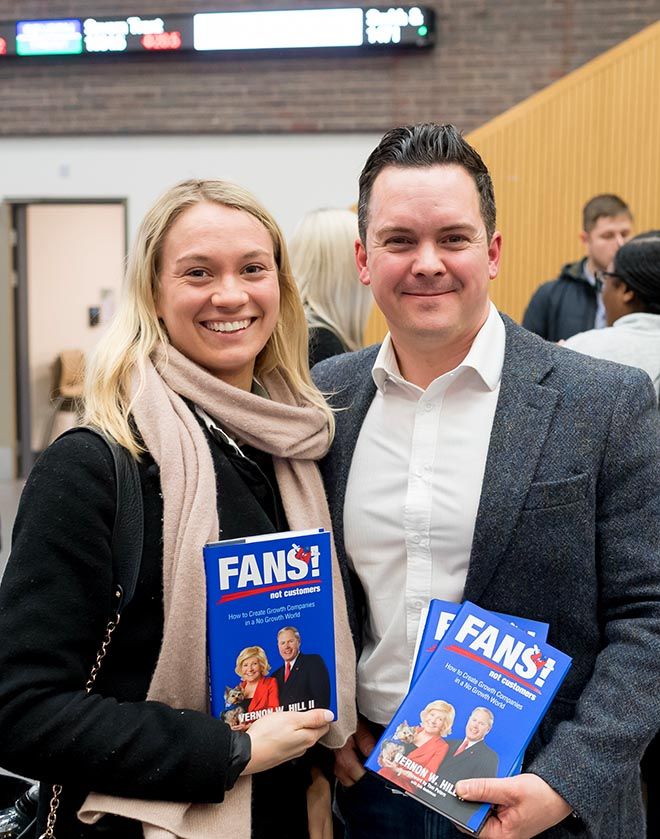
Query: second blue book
x=470, y=713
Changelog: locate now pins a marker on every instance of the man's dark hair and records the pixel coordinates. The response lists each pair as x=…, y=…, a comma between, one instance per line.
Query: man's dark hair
x=608, y=205
x=637, y=264
x=426, y=144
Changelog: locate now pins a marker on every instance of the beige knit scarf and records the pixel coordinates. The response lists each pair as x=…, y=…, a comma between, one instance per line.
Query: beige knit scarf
x=296, y=435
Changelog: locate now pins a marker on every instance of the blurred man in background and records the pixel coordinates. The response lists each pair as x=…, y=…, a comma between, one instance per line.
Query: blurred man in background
x=572, y=303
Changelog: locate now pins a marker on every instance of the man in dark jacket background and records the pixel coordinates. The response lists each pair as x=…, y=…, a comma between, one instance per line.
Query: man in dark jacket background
x=572, y=303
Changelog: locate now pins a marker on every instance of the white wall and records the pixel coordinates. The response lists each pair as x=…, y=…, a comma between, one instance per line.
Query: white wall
x=290, y=174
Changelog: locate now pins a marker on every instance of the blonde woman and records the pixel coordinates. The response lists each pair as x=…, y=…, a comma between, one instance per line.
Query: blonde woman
x=258, y=688
x=203, y=378
x=427, y=747
x=336, y=303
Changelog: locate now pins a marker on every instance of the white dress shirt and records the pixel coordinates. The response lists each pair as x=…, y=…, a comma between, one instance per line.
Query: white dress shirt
x=600, y=320
x=291, y=664
x=411, y=503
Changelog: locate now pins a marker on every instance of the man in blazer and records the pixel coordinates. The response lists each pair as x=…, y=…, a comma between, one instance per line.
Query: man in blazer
x=471, y=751
x=473, y=460
x=303, y=677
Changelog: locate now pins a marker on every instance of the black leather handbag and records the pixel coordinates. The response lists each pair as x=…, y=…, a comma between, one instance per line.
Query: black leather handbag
x=127, y=539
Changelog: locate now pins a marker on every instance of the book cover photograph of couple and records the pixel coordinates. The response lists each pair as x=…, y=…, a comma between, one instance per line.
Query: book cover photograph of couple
x=300, y=683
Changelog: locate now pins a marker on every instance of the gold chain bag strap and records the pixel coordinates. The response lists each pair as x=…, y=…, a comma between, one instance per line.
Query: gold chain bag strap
x=127, y=538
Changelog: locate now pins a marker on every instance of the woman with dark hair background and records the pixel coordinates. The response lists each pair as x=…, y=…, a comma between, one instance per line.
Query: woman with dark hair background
x=631, y=294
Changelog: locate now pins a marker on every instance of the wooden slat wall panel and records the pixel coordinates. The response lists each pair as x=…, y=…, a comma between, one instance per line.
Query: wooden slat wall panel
x=595, y=130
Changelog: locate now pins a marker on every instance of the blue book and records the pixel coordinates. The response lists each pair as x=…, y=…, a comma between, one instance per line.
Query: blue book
x=270, y=625
x=439, y=618
x=470, y=714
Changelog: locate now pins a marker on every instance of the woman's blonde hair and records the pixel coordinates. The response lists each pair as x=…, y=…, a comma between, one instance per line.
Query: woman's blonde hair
x=136, y=330
x=253, y=652
x=323, y=261
x=446, y=708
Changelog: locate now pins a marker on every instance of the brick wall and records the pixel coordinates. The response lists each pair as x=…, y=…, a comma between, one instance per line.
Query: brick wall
x=489, y=55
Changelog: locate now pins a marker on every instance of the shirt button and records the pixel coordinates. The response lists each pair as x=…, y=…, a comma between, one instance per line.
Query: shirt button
x=430, y=406
x=418, y=604
x=419, y=473
x=416, y=539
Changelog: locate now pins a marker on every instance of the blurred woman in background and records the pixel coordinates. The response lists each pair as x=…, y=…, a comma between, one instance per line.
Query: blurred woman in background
x=337, y=305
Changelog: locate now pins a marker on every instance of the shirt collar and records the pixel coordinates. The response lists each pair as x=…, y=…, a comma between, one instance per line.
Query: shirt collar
x=589, y=277
x=386, y=366
x=486, y=356
x=644, y=321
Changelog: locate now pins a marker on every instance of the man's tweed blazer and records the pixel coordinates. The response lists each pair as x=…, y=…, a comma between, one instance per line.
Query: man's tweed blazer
x=568, y=532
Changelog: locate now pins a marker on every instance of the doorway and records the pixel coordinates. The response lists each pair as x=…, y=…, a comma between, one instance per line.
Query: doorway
x=67, y=267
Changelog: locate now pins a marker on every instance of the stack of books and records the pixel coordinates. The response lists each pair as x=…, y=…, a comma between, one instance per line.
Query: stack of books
x=481, y=683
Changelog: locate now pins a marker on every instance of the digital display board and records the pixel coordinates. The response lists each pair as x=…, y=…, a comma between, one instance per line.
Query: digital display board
x=300, y=29
x=209, y=32
x=7, y=37
x=49, y=37
x=136, y=34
